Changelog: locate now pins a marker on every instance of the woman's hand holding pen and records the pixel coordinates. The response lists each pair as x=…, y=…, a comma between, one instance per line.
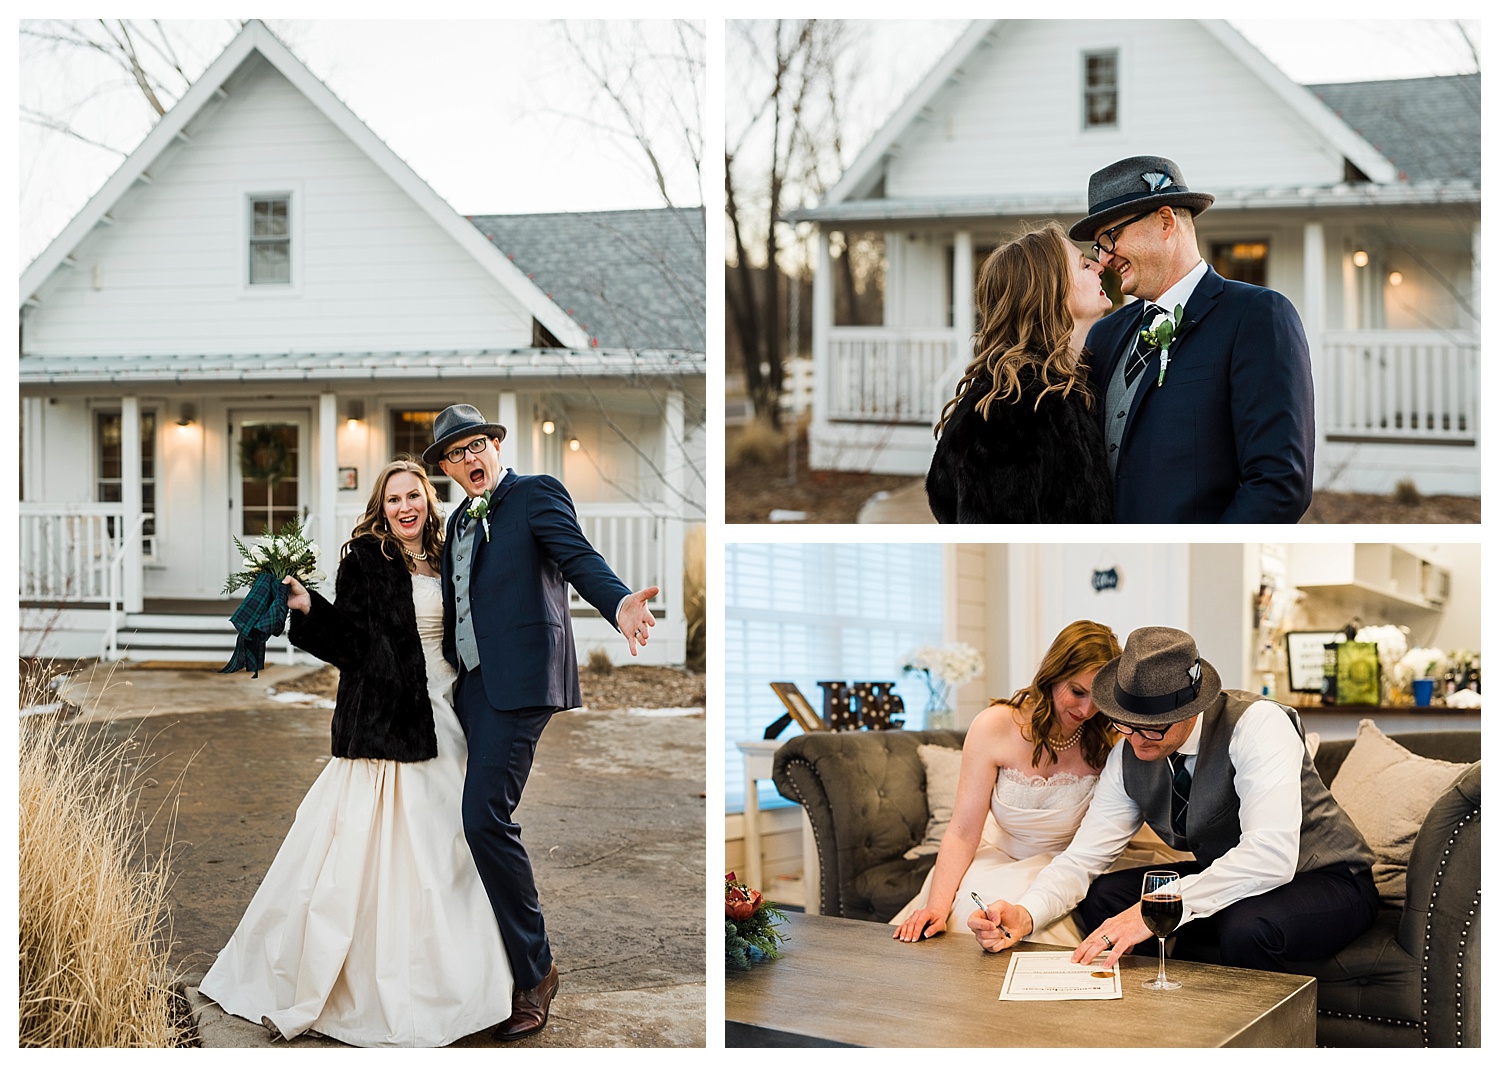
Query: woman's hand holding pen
x=1000, y=925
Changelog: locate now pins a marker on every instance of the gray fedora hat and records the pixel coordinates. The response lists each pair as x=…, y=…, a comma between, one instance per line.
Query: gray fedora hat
x=1134, y=185
x=454, y=422
x=1159, y=679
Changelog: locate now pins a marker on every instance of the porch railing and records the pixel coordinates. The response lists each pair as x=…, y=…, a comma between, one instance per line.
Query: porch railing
x=887, y=375
x=67, y=550
x=632, y=541
x=1399, y=386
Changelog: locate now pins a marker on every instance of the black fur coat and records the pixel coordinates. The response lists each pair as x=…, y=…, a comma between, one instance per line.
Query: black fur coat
x=382, y=710
x=1023, y=463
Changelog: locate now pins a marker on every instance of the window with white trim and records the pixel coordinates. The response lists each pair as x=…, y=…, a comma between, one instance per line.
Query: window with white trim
x=810, y=613
x=109, y=469
x=1101, y=89
x=270, y=240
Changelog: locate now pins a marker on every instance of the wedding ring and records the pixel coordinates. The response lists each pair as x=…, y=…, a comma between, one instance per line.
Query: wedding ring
x=1105, y=938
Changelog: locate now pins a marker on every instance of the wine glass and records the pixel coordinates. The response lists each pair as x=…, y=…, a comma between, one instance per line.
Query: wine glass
x=1161, y=908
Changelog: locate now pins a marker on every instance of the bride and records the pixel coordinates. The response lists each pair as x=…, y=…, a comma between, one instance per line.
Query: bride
x=1028, y=773
x=371, y=926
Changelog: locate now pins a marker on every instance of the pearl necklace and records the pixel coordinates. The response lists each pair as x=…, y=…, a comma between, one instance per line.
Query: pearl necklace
x=420, y=558
x=1070, y=742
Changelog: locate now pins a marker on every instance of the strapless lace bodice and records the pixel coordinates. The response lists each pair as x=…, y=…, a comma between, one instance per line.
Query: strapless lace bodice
x=1034, y=814
x=1017, y=789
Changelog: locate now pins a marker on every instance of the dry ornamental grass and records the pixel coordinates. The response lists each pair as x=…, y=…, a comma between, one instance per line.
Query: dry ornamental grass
x=94, y=928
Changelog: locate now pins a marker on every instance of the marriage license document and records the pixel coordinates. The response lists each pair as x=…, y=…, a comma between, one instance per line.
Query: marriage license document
x=1054, y=976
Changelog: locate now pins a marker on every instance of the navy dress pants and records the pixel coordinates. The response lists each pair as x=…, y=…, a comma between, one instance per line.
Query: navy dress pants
x=1310, y=918
x=502, y=745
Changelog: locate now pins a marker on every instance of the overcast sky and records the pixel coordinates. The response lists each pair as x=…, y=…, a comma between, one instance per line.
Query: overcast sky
x=490, y=113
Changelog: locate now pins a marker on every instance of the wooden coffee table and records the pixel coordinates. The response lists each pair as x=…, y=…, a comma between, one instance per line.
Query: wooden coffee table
x=843, y=982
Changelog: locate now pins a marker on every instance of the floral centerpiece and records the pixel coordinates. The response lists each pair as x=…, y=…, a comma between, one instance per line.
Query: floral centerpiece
x=943, y=668
x=1422, y=663
x=749, y=925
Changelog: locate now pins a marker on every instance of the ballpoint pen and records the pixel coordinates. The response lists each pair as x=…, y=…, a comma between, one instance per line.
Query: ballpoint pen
x=986, y=909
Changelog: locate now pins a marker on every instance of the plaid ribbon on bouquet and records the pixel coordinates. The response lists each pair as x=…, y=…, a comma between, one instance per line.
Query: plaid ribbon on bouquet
x=260, y=616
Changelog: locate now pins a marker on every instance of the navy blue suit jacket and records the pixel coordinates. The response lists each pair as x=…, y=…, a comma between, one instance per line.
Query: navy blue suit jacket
x=519, y=592
x=1228, y=437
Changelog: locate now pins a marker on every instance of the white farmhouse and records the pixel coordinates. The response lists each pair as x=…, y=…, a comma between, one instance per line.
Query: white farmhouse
x=264, y=304
x=1359, y=202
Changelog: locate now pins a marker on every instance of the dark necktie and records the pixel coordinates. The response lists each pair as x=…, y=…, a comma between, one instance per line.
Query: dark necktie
x=1140, y=355
x=1182, y=786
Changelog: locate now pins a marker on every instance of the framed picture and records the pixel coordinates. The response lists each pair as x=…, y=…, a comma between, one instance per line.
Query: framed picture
x=798, y=706
x=1304, y=659
x=348, y=477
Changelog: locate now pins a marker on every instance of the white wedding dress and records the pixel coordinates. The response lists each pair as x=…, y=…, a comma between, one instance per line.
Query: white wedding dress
x=1031, y=820
x=371, y=926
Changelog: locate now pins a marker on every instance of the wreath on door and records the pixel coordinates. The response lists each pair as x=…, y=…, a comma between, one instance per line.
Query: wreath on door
x=264, y=456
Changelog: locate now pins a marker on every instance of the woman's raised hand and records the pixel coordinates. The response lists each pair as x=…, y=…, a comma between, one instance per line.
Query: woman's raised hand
x=298, y=598
x=921, y=924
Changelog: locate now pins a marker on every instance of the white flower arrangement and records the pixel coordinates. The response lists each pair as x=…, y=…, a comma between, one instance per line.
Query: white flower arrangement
x=951, y=664
x=1422, y=663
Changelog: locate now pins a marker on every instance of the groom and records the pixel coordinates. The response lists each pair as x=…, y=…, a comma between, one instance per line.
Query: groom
x=1221, y=430
x=512, y=551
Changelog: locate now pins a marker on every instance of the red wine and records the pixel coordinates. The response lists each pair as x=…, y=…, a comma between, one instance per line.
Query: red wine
x=1162, y=912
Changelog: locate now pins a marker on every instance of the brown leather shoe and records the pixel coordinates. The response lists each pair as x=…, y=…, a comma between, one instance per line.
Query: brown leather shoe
x=529, y=1009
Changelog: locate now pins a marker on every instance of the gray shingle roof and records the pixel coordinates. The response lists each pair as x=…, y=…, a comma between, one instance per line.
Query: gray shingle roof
x=631, y=279
x=1427, y=127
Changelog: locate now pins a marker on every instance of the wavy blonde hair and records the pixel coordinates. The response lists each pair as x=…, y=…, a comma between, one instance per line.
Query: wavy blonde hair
x=1024, y=321
x=1081, y=646
x=373, y=522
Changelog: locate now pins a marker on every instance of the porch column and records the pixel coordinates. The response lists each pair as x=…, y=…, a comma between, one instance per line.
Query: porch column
x=508, y=414
x=674, y=469
x=130, y=497
x=963, y=289
x=325, y=531
x=1314, y=310
x=1474, y=290
x=822, y=322
x=33, y=446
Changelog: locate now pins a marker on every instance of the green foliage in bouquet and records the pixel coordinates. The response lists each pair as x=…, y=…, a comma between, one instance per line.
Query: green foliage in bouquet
x=288, y=552
x=749, y=925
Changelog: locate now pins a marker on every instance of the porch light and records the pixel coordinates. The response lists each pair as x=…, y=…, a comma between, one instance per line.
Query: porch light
x=1361, y=257
x=1396, y=278
x=186, y=416
x=549, y=427
x=573, y=445
x=356, y=413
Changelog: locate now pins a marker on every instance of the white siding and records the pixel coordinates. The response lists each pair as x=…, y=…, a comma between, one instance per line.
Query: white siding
x=1012, y=125
x=371, y=270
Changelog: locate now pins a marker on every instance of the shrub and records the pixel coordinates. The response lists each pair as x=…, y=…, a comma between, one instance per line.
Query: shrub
x=757, y=443
x=695, y=598
x=1406, y=493
x=95, y=933
x=599, y=661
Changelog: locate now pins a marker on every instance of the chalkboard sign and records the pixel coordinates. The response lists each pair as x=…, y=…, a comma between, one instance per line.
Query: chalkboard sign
x=1304, y=658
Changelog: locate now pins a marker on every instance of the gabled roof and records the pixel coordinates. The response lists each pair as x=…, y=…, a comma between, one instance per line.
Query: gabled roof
x=1427, y=127
x=256, y=39
x=631, y=279
x=864, y=176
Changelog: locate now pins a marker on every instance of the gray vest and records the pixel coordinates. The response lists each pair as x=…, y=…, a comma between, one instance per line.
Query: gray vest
x=1117, y=400
x=1213, y=815
x=463, y=619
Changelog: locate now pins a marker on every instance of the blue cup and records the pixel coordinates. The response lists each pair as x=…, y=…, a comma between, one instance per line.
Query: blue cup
x=1421, y=689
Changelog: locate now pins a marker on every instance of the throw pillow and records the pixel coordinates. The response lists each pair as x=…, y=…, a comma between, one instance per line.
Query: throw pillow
x=1387, y=792
x=941, y=764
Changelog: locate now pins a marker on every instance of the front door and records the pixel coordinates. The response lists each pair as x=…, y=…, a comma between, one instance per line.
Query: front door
x=269, y=474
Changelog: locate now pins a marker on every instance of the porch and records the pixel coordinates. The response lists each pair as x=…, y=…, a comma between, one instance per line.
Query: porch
x=1392, y=404
x=85, y=586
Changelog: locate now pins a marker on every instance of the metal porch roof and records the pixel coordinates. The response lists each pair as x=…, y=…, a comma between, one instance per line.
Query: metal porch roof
x=525, y=363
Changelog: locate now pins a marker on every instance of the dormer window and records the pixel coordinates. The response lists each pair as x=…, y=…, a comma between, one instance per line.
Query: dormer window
x=270, y=240
x=1101, y=90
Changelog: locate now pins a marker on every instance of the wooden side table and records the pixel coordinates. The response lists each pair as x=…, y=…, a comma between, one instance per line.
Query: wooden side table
x=760, y=758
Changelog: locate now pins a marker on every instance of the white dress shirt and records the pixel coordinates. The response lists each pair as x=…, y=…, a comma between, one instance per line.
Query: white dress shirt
x=1179, y=293
x=1266, y=753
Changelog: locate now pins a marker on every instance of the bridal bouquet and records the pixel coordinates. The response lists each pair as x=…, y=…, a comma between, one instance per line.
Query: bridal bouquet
x=286, y=553
x=749, y=925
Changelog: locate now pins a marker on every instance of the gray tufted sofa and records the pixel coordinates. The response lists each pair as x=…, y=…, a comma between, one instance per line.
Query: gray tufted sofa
x=1411, y=980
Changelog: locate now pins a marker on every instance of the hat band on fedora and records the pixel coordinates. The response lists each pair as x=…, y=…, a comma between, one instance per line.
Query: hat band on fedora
x=1139, y=705
x=1135, y=198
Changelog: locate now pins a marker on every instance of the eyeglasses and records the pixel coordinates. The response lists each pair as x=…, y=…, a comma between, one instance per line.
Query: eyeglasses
x=1106, y=242
x=1149, y=735
x=476, y=446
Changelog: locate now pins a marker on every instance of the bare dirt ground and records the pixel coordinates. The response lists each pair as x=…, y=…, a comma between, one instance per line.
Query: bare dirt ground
x=753, y=490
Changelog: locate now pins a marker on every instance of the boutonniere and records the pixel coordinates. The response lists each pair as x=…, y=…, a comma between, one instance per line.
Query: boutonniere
x=1161, y=334
x=479, y=508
